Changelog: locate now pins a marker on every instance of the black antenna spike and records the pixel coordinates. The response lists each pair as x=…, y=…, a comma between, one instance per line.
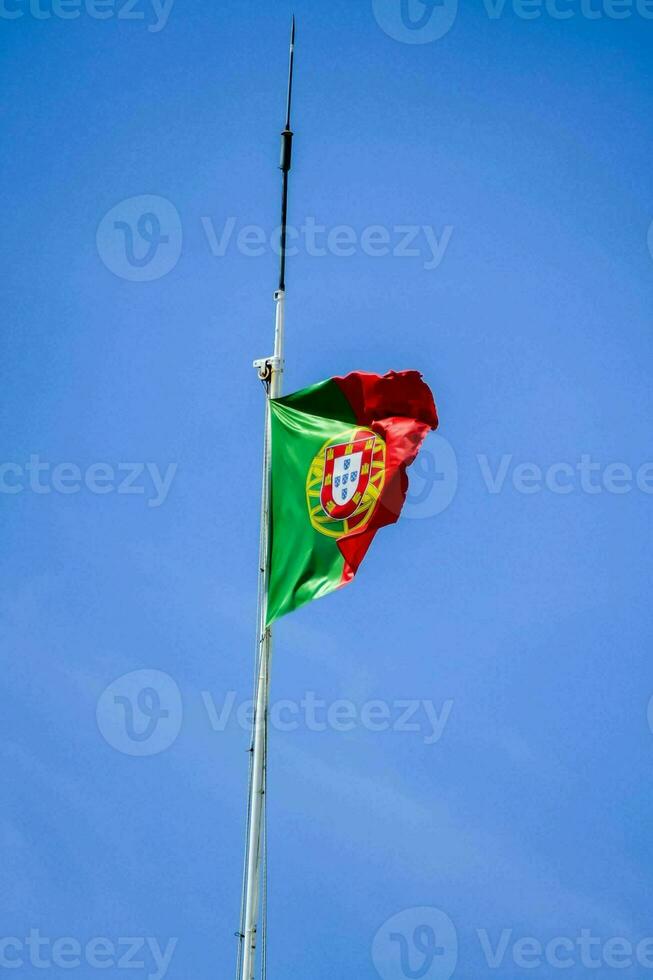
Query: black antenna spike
x=286, y=158
x=290, y=71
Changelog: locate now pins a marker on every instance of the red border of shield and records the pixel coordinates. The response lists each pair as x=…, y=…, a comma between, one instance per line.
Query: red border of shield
x=362, y=441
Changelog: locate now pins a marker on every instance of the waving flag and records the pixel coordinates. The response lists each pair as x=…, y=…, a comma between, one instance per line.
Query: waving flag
x=339, y=455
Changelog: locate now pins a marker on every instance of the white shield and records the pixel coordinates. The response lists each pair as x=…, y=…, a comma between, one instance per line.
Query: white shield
x=346, y=476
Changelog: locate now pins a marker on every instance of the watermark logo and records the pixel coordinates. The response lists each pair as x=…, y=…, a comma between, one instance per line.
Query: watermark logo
x=584, y=950
x=140, y=238
x=570, y=9
x=422, y=944
x=416, y=944
x=424, y=21
x=140, y=713
x=415, y=21
x=41, y=477
x=433, y=479
x=154, y=12
x=584, y=475
x=409, y=241
x=419, y=715
x=41, y=952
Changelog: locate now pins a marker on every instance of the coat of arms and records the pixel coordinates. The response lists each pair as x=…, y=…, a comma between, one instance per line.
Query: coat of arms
x=344, y=482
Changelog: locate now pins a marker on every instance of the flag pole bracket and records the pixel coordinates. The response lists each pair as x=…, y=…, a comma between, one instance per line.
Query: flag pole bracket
x=266, y=365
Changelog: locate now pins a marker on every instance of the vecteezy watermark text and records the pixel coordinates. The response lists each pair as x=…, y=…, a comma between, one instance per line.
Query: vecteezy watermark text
x=342, y=241
x=342, y=715
x=423, y=942
x=155, y=12
x=587, y=475
x=564, y=952
x=98, y=953
x=42, y=477
x=425, y=21
x=433, y=478
x=140, y=239
x=141, y=713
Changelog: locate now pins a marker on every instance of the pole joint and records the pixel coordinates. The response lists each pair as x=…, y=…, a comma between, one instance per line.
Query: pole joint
x=285, y=161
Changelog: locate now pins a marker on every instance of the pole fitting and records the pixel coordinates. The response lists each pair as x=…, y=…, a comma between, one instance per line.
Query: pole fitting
x=286, y=150
x=265, y=366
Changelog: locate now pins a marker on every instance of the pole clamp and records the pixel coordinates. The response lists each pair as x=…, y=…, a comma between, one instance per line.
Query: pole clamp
x=265, y=366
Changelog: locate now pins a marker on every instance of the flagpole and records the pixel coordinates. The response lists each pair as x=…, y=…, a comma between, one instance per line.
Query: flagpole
x=270, y=370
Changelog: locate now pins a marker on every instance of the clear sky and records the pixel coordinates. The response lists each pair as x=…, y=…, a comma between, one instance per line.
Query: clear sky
x=501, y=790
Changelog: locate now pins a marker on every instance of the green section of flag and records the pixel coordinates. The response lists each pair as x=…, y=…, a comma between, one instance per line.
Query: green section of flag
x=304, y=563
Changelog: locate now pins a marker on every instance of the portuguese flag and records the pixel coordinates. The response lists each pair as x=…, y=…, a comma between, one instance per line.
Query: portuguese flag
x=339, y=455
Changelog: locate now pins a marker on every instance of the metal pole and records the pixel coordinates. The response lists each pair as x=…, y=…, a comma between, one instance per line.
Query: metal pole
x=270, y=371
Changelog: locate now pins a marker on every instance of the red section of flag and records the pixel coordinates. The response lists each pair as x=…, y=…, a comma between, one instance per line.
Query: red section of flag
x=400, y=407
x=375, y=396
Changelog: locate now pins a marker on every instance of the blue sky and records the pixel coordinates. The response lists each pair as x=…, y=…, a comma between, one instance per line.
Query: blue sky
x=511, y=144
